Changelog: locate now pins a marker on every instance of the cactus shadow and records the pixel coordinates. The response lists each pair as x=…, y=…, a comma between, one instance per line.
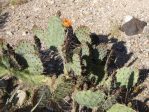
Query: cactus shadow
x=52, y=62
x=144, y=73
x=120, y=54
x=3, y=19
x=21, y=61
x=118, y=59
x=139, y=106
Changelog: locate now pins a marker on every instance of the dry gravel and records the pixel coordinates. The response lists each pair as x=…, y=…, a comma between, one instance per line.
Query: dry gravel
x=99, y=15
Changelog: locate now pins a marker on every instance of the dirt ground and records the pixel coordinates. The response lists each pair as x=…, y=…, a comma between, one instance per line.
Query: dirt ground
x=102, y=16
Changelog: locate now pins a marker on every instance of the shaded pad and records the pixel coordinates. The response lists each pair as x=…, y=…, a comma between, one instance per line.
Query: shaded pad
x=27, y=50
x=75, y=65
x=61, y=88
x=31, y=79
x=102, y=51
x=127, y=77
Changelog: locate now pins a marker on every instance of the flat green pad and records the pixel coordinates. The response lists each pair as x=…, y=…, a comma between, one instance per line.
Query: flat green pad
x=31, y=79
x=102, y=50
x=27, y=50
x=83, y=34
x=120, y=108
x=89, y=98
x=64, y=87
x=3, y=71
x=127, y=77
x=54, y=35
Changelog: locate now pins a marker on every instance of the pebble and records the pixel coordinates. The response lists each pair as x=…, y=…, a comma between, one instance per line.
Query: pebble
x=21, y=96
x=9, y=33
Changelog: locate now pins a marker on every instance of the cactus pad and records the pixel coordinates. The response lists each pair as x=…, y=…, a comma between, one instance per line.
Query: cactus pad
x=110, y=101
x=120, y=108
x=85, y=49
x=90, y=99
x=83, y=34
x=64, y=87
x=31, y=79
x=54, y=35
x=27, y=50
x=75, y=65
x=102, y=50
x=127, y=77
x=43, y=92
x=3, y=71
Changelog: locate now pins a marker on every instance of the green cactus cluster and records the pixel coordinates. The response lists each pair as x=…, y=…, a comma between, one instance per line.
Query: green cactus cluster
x=83, y=63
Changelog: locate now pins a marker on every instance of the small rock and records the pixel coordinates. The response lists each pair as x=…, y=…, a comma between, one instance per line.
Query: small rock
x=132, y=26
x=21, y=97
x=24, y=33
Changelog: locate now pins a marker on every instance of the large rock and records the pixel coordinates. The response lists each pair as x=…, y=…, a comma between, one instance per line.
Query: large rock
x=132, y=26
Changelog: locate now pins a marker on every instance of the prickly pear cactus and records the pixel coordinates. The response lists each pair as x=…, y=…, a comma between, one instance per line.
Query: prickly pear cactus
x=120, y=108
x=85, y=49
x=42, y=93
x=110, y=101
x=83, y=34
x=31, y=79
x=27, y=50
x=3, y=70
x=5, y=61
x=102, y=51
x=54, y=35
x=75, y=65
x=127, y=77
x=64, y=87
x=89, y=98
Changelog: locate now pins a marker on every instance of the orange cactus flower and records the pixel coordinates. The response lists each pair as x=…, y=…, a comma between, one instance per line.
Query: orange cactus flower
x=67, y=22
